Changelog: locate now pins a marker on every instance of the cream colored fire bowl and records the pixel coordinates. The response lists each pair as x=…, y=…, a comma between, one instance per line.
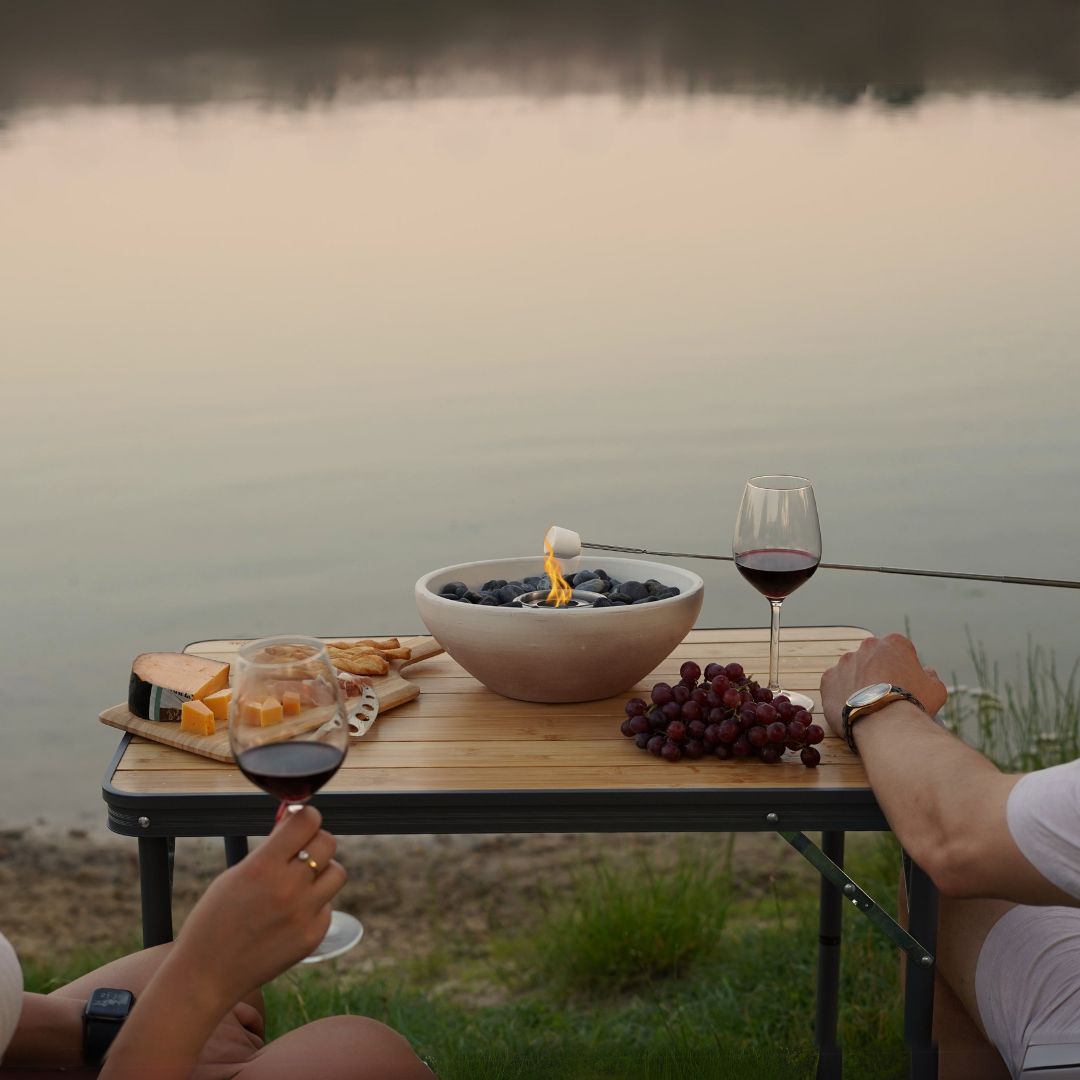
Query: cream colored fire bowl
x=545, y=654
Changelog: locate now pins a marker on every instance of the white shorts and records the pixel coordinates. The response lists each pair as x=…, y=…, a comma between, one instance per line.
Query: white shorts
x=1027, y=980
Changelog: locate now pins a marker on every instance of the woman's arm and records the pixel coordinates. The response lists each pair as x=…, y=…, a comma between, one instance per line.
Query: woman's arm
x=169, y=1025
x=49, y=1033
x=945, y=802
x=253, y=922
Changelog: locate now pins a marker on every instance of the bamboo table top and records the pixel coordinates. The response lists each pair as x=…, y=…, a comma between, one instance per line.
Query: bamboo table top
x=463, y=759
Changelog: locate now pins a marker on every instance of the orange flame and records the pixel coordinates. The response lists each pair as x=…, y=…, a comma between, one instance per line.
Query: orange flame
x=560, y=587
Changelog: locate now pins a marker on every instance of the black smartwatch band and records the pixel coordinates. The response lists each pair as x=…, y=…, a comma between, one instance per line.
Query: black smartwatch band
x=102, y=1019
x=98, y=1036
x=896, y=693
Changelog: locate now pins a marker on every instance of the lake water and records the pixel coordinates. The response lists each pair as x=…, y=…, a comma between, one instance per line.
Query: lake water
x=290, y=316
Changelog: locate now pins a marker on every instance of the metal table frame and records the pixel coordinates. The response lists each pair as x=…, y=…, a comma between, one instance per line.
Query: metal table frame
x=158, y=819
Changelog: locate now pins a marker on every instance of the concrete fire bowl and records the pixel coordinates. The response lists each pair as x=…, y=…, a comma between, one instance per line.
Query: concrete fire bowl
x=553, y=655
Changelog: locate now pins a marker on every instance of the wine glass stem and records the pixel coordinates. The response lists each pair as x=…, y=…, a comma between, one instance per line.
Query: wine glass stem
x=287, y=806
x=774, y=647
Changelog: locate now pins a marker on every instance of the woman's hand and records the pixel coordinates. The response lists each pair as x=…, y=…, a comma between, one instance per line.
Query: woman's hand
x=889, y=659
x=253, y=922
x=266, y=913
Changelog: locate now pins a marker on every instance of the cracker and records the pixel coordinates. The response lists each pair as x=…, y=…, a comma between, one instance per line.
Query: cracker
x=372, y=664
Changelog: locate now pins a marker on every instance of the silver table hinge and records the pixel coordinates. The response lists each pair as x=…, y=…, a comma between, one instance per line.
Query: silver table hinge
x=858, y=897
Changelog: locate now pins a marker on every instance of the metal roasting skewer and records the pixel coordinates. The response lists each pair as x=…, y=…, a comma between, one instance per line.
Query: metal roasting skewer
x=1001, y=579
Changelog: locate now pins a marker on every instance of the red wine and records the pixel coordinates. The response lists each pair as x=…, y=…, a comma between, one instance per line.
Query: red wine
x=292, y=770
x=777, y=572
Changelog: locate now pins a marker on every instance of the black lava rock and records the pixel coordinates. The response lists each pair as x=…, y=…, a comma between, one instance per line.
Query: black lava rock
x=498, y=592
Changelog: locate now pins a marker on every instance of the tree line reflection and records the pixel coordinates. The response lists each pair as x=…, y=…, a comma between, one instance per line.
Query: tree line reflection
x=299, y=53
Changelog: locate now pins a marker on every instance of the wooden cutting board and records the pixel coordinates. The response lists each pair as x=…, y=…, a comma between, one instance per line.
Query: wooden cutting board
x=392, y=689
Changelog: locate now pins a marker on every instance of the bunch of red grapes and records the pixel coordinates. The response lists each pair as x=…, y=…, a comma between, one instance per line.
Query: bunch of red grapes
x=725, y=714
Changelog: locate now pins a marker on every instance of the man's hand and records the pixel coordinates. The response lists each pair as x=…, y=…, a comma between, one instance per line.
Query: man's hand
x=948, y=810
x=889, y=659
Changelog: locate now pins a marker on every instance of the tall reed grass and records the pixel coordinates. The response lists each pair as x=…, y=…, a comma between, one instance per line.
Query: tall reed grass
x=1028, y=724
x=621, y=926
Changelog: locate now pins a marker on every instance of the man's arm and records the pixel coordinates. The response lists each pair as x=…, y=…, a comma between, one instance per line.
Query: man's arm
x=945, y=802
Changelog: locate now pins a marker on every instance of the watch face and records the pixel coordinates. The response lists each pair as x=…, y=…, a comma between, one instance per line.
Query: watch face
x=868, y=694
x=110, y=1004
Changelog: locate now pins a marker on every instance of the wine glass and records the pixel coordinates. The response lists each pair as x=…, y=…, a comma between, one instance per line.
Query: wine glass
x=289, y=730
x=777, y=547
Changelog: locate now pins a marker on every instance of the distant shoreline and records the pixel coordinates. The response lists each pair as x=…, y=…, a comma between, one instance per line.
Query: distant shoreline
x=278, y=54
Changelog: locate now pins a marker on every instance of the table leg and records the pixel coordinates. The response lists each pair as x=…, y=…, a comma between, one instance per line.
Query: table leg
x=236, y=847
x=919, y=994
x=155, y=886
x=830, y=1056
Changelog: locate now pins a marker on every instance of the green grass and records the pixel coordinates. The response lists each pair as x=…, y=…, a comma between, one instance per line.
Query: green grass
x=717, y=981
x=41, y=978
x=738, y=1002
x=621, y=927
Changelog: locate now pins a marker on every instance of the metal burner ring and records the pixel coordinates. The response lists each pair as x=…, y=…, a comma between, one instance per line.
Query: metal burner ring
x=579, y=598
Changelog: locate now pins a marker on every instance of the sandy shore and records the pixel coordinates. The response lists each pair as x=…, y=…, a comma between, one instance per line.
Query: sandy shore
x=62, y=891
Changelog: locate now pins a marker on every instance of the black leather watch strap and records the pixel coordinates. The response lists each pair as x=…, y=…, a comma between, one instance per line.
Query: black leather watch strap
x=896, y=693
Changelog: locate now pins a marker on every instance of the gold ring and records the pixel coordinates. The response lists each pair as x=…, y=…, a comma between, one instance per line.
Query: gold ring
x=304, y=857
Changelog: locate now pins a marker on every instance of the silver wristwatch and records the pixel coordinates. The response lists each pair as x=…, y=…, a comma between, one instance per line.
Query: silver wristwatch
x=869, y=699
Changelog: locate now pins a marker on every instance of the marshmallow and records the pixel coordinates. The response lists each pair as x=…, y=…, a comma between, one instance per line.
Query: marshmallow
x=565, y=543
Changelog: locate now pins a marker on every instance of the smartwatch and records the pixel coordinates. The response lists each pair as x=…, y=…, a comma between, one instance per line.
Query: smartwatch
x=869, y=699
x=106, y=1010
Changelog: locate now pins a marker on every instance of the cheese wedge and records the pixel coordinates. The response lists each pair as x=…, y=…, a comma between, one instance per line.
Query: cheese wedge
x=219, y=704
x=162, y=682
x=196, y=718
x=290, y=703
x=262, y=713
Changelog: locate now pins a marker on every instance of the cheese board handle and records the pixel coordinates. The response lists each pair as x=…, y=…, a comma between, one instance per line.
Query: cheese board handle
x=362, y=712
x=424, y=649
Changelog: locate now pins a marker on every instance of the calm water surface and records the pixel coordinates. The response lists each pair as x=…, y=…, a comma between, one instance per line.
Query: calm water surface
x=267, y=360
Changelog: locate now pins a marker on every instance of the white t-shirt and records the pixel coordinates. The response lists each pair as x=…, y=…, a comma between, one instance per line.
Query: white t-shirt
x=11, y=985
x=1027, y=979
x=1043, y=813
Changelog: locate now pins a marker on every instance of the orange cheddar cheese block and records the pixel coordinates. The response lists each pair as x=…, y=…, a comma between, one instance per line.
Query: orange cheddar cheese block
x=262, y=713
x=196, y=718
x=290, y=703
x=162, y=682
x=219, y=704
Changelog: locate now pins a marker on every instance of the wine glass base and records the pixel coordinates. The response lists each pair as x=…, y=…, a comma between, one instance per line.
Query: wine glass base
x=800, y=701
x=344, y=933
